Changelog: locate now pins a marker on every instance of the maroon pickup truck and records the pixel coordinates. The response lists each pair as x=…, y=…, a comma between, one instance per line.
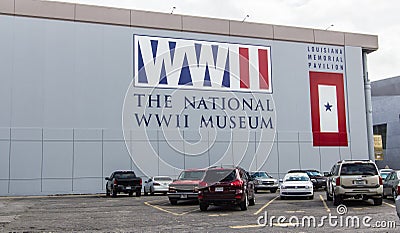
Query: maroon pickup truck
x=123, y=182
x=186, y=186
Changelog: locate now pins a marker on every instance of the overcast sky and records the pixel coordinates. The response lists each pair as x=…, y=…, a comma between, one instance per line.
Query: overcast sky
x=375, y=17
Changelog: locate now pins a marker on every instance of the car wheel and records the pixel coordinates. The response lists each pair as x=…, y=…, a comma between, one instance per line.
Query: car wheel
x=107, y=192
x=113, y=193
x=256, y=190
x=328, y=197
x=377, y=201
x=145, y=192
x=130, y=193
x=273, y=190
x=245, y=203
x=151, y=192
x=394, y=194
x=311, y=197
x=253, y=200
x=283, y=197
x=203, y=207
x=173, y=202
x=337, y=200
x=138, y=193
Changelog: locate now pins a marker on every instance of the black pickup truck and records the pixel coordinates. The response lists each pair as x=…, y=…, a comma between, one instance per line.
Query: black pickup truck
x=123, y=182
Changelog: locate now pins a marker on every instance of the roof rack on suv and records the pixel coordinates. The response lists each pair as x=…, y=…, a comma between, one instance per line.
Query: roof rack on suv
x=354, y=160
x=223, y=166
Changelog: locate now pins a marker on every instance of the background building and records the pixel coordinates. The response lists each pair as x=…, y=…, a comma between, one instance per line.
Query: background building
x=386, y=117
x=78, y=83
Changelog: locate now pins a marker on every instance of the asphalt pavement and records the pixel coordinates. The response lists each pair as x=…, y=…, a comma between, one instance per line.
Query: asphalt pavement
x=98, y=213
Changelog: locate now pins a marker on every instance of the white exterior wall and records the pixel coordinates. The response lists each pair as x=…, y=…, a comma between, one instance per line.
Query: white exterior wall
x=62, y=89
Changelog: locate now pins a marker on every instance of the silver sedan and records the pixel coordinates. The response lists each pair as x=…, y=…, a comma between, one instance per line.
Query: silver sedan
x=157, y=184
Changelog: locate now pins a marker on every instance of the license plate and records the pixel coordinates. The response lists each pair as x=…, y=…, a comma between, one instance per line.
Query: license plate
x=183, y=196
x=219, y=189
x=128, y=188
x=359, y=182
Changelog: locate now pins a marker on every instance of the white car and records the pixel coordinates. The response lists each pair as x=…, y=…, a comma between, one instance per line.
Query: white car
x=157, y=184
x=296, y=185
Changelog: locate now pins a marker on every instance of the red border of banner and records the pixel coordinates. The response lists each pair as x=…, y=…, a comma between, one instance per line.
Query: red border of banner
x=320, y=138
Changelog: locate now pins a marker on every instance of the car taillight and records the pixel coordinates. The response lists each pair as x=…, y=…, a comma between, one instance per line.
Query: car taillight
x=115, y=182
x=398, y=190
x=338, y=181
x=380, y=181
x=237, y=183
x=156, y=184
x=200, y=195
x=140, y=181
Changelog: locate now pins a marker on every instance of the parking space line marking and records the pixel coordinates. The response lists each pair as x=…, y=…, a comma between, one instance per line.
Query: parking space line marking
x=190, y=211
x=245, y=226
x=217, y=215
x=325, y=205
x=266, y=205
x=164, y=210
x=389, y=204
x=159, y=208
x=158, y=202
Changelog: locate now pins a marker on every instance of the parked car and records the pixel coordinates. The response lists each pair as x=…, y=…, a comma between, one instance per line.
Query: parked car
x=157, y=184
x=123, y=182
x=384, y=173
x=186, y=186
x=398, y=201
x=357, y=179
x=296, y=185
x=390, y=184
x=226, y=186
x=263, y=181
x=318, y=180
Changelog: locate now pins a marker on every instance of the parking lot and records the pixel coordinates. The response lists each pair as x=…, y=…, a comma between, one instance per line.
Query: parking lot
x=155, y=214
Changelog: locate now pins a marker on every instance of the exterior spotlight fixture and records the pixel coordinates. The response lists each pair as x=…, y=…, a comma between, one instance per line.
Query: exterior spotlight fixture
x=329, y=27
x=247, y=16
x=173, y=8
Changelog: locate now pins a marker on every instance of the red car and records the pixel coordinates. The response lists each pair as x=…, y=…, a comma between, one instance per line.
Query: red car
x=226, y=186
x=186, y=186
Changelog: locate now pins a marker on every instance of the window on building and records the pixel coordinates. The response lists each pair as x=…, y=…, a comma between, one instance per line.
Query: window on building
x=381, y=130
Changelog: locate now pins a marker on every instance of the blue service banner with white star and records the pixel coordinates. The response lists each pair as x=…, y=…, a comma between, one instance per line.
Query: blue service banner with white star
x=328, y=111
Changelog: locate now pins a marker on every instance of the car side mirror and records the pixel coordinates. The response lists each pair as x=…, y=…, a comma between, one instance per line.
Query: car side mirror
x=146, y=182
x=327, y=174
x=107, y=178
x=174, y=180
x=280, y=180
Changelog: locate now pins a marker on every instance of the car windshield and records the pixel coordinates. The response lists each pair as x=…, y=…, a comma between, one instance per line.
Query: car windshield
x=359, y=169
x=384, y=174
x=297, y=178
x=219, y=175
x=260, y=175
x=191, y=175
x=124, y=175
x=162, y=179
x=313, y=173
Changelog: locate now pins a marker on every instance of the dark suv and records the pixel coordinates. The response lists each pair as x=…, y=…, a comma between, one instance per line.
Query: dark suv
x=226, y=186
